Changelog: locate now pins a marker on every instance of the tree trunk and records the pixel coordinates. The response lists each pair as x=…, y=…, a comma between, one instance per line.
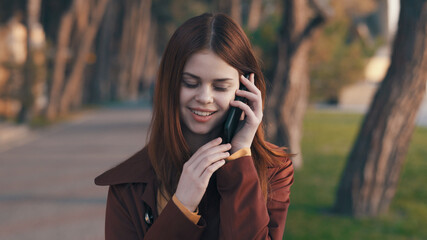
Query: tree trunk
x=82, y=11
x=28, y=96
x=60, y=64
x=370, y=178
x=222, y=6
x=289, y=97
x=152, y=59
x=75, y=79
x=134, y=48
x=74, y=20
x=236, y=11
x=100, y=86
x=126, y=48
x=233, y=8
x=141, y=48
x=254, y=17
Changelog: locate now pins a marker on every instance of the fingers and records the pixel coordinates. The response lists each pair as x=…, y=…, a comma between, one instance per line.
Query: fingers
x=252, y=97
x=209, y=160
x=206, y=155
x=197, y=171
x=251, y=117
x=253, y=109
x=209, y=145
x=250, y=84
x=203, y=148
x=207, y=173
x=209, y=157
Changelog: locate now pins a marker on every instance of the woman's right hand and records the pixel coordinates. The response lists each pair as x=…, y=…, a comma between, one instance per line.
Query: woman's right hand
x=198, y=170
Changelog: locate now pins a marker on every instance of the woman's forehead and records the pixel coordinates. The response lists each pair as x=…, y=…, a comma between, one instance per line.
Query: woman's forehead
x=207, y=64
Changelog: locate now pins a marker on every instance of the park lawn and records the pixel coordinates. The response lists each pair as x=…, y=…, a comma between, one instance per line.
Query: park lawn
x=328, y=138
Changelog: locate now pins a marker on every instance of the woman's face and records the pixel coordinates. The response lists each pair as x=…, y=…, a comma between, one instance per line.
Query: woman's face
x=208, y=85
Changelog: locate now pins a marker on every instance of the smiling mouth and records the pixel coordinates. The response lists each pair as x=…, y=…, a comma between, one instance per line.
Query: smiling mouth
x=202, y=113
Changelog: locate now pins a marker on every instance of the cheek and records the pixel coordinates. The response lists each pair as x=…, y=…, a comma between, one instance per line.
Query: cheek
x=184, y=95
x=225, y=100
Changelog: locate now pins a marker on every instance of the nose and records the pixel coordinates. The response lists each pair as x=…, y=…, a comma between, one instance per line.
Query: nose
x=204, y=95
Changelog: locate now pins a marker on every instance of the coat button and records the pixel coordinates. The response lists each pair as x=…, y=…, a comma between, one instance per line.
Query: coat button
x=147, y=218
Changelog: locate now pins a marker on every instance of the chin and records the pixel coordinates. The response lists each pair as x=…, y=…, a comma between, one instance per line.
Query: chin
x=201, y=131
x=205, y=130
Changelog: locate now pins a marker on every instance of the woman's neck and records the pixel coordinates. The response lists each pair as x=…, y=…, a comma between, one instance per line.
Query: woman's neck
x=195, y=141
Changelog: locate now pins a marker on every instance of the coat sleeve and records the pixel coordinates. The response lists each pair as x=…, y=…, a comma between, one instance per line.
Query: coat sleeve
x=124, y=219
x=243, y=210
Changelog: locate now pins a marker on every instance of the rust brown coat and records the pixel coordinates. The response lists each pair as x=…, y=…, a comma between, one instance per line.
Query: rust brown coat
x=232, y=208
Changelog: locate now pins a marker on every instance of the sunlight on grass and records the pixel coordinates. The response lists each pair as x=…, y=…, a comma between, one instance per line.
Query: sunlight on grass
x=328, y=138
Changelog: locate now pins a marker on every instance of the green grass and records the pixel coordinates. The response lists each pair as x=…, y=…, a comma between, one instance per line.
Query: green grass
x=328, y=138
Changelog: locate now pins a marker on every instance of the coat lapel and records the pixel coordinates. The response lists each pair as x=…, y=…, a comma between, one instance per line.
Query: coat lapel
x=136, y=169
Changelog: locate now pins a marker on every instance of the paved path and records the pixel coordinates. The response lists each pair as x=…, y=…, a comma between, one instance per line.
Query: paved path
x=46, y=184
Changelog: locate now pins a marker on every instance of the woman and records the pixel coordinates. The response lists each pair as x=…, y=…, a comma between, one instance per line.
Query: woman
x=186, y=183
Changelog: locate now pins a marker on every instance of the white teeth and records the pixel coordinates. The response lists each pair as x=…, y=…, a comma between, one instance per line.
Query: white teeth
x=200, y=113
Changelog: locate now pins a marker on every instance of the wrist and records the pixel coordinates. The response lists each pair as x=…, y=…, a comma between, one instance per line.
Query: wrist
x=237, y=147
x=179, y=202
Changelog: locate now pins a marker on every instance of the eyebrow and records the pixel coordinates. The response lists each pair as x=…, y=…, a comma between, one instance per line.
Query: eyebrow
x=215, y=80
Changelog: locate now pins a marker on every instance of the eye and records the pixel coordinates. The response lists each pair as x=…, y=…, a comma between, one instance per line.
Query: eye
x=189, y=84
x=221, y=88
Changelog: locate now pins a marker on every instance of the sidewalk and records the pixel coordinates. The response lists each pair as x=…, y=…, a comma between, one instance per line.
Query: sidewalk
x=46, y=183
x=11, y=134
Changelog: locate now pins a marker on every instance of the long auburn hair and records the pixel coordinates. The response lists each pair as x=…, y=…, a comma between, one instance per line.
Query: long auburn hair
x=167, y=147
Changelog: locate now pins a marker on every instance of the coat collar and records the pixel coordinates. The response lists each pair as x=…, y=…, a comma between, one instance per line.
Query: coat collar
x=136, y=169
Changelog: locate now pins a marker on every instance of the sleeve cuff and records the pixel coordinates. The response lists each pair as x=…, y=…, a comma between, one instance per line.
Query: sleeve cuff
x=193, y=216
x=240, y=153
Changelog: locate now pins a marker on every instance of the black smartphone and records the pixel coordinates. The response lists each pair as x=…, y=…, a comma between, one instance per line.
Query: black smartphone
x=233, y=117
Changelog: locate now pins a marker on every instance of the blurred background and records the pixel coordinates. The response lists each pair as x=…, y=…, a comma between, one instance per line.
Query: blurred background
x=346, y=93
